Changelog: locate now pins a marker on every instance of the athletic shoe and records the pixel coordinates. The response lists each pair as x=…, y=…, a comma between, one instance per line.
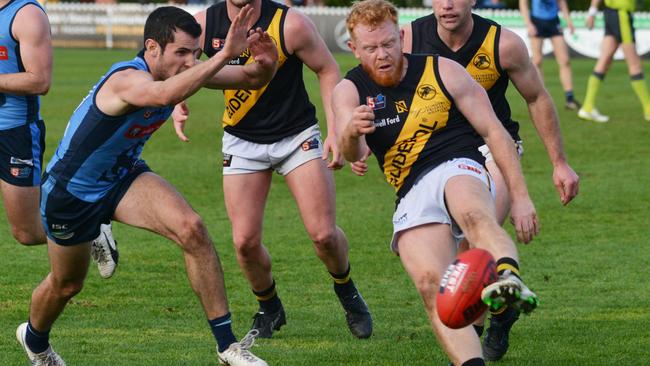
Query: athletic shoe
x=572, y=105
x=495, y=344
x=104, y=251
x=45, y=358
x=509, y=290
x=593, y=115
x=264, y=323
x=238, y=353
x=357, y=315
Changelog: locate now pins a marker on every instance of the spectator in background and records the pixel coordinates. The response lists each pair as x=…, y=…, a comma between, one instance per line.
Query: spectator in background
x=490, y=4
x=543, y=22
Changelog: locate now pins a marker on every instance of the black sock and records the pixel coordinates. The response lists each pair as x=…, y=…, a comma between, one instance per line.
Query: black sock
x=222, y=330
x=569, y=96
x=36, y=341
x=268, y=299
x=478, y=329
x=343, y=284
x=508, y=264
x=474, y=362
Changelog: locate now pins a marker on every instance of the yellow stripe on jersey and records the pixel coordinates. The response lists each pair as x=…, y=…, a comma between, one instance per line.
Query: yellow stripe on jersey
x=429, y=111
x=239, y=102
x=627, y=5
x=483, y=67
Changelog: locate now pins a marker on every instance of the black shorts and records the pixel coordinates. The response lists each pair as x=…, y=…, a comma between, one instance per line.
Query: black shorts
x=68, y=220
x=620, y=25
x=547, y=28
x=21, y=154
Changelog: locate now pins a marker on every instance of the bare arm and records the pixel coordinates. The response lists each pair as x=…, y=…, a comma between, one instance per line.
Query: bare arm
x=130, y=89
x=302, y=38
x=472, y=101
x=407, y=46
x=352, y=120
x=32, y=30
x=542, y=111
x=564, y=9
x=591, y=14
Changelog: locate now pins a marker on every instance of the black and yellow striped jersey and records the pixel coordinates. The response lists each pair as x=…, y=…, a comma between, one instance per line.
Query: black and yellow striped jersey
x=479, y=56
x=417, y=124
x=279, y=109
x=626, y=5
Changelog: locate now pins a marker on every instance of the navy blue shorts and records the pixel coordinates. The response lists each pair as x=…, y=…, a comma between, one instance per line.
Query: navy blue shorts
x=21, y=154
x=68, y=220
x=547, y=28
x=620, y=25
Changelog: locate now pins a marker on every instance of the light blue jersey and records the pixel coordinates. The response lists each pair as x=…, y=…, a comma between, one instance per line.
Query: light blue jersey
x=544, y=9
x=15, y=110
x=98, y=150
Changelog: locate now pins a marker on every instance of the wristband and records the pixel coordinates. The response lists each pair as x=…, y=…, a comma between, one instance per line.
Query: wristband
x=592, y=11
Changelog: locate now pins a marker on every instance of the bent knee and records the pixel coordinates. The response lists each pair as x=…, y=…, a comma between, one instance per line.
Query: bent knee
x=324, y=238
x=191, y=232
x=67, y=289
x=426, y=284
x=26, y=237
x=476, y=219
x=247, y=243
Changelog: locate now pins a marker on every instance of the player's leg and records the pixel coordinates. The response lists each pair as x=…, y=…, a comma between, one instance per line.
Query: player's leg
x=537, y=58
x=561, y=52
x=312, y=186
x=152, y=203
x=21, y=206
x=69, y=266
x=425, y=252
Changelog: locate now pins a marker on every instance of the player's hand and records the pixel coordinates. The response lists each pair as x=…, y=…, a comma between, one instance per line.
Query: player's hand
x=572, y=28
x=566, y=182
x=532, y=31
x=238, y=39
x=330, y=145
x=362, y=121
x=180, y=115
x=590, y=22
x=263, y=49
x=360, y=167
x=524, y=218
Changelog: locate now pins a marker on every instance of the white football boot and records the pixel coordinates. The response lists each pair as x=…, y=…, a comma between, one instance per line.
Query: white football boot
x=509, y=290
x=45, y=358
x=104, y=251
x=593, y=115
x=238, y=353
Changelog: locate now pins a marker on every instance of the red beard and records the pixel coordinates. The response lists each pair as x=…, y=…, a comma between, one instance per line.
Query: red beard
x=386, y=79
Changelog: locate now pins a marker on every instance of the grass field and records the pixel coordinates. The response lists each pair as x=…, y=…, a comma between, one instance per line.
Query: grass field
x=589, y=264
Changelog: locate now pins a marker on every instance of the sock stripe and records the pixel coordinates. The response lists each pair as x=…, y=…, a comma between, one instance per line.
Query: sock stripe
x=266, y=297
x=502, y=267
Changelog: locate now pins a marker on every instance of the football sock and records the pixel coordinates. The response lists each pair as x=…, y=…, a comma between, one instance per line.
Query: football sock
x=592, y=89
x=35, y=340
x=474, y=362
x=506, y=264
x=638, y=84
x=222, y=330
x=569, y=96
x=478, y=329
x=343, y=284
x=268, y=299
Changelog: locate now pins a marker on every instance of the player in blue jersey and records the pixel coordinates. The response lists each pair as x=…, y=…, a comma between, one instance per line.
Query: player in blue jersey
x=26, y=73
x=543, y=22
x=96, y=173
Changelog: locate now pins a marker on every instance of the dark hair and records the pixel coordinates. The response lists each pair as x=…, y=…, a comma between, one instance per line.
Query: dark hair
x=164, y=21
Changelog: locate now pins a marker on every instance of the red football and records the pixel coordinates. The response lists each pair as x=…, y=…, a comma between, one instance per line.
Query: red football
x=459, y=298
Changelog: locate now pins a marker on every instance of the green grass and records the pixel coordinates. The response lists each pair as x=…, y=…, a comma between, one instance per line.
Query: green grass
x=588, y=265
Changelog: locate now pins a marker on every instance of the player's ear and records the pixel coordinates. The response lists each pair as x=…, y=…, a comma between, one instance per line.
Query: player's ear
x=152, y=47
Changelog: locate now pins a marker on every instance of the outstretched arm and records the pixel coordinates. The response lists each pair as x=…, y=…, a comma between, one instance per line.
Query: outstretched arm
x=302, y=38
x=32, y=30
x=353, y=121
x=542, y=111
x=472, y=101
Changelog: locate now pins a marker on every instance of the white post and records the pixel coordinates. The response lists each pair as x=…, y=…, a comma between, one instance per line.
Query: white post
x=109, y=26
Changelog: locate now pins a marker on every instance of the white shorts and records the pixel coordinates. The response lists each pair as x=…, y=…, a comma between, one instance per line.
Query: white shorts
x=243, y=157
x=485, y=150
x=425, y=201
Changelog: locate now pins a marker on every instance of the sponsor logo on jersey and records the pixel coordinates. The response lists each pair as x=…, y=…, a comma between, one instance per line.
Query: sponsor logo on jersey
x=482, y=61
x=18, y=161
x=227, y=159
x=401, y=107
x=20, y=172
x=217, y=43
x=4, y=54
x=377, y=102
x=310, y=144
x=138, y=131
x=238, y=99
x=427, y=92
x=60, y=231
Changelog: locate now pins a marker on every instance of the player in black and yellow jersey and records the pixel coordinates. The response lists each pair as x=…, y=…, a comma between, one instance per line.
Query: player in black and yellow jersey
x=275, y=128
x=493, y=56
x=423, y=117
x=619, y=31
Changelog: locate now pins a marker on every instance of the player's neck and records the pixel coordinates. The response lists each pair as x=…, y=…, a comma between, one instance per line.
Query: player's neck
x=233, y=10
x=4, y=2
x=455, y=39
